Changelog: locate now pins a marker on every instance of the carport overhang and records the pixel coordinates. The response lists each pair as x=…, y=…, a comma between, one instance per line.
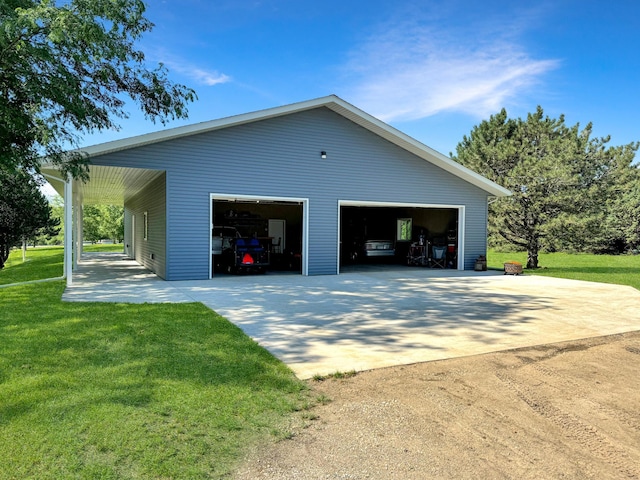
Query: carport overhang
x=106, y=185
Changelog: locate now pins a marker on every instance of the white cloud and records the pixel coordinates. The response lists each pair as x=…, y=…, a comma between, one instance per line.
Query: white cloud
x=416, y=71
x=199, y=75
x=207, y=77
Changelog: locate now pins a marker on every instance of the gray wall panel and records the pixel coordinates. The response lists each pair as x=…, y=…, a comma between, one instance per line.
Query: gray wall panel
x=280, y=157
x=150, y=252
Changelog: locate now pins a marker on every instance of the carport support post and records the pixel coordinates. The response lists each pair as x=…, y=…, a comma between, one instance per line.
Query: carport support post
x=68, y=230
x=77, y=223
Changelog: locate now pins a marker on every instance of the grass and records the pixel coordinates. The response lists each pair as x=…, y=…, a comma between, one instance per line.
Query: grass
x=43, y=262
x=618, y=269
x=338, y=375
x=95, y=390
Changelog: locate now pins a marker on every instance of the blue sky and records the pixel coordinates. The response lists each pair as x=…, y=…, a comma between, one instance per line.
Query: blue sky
x=432, y=69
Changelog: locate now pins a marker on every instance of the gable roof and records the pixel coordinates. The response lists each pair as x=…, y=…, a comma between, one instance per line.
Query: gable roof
x=332, y=102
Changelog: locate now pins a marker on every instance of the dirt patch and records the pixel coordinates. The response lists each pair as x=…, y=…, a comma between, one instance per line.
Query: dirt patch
x=568, y=410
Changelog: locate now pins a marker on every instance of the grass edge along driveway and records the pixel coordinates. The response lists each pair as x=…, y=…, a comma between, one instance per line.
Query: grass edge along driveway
x=615, y=269
x=96, y=390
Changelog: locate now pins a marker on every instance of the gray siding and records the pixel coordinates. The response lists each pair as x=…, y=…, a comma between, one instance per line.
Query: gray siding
x=280, y=157
x=150, y=252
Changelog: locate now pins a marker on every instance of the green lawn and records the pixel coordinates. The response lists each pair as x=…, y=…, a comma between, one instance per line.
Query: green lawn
x=43, y=262
x=619, y=269
x=94, y=390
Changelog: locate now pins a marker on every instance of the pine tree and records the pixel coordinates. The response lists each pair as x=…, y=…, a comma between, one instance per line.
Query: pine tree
x=560, y=178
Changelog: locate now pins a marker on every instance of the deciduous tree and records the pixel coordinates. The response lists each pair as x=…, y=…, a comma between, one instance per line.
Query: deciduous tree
x=103, y=221
x=66, y=70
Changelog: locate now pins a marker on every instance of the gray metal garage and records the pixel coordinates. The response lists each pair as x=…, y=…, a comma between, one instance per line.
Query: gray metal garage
x=312, y=165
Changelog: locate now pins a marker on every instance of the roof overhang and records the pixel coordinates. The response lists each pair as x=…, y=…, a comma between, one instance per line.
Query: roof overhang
x=331, y=102
x=107, y=185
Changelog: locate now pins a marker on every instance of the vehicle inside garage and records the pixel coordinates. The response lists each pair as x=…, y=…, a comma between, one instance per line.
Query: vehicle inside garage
x=256, y=236
x=380, y=235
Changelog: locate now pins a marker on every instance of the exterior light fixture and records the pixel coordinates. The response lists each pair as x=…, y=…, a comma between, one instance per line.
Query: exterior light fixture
x=323, y=154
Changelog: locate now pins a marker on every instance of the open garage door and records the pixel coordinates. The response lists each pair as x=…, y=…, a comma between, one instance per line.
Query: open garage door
x=258, y=235
x=400, y=234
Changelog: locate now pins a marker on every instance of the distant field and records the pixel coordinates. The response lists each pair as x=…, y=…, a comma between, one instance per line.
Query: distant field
x=619, y=269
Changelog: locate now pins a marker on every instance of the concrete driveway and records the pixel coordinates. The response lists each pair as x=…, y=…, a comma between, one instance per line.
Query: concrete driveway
x=364, y=320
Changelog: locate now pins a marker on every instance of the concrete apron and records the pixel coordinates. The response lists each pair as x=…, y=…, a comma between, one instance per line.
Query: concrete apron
x=365, y=320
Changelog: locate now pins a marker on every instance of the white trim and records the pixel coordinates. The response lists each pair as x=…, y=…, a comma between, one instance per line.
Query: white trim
x=240, y=197
x=132, y=253
x=77, y=231
x=68, y=231
x=367, y=203
x=339, y=243
x=145, y=225
x=80, y=230
x=462, y=218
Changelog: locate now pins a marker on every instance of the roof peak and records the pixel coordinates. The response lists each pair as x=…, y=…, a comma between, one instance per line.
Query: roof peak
x=332, y=101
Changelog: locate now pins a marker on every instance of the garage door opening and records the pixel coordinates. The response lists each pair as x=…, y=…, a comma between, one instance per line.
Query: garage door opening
x=400, y=235
x=257, y=235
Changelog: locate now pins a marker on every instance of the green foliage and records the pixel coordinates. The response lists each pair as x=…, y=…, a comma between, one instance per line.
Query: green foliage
x=24, y=211
x=560, y=177
x=623, y=219
x=113, y=222
x=66, y=70
x=103, y=222
x=96, y=390
x=57, y=213
x=91, y=223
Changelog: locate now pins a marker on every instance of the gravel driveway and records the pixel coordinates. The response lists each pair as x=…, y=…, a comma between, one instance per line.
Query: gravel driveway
x=568, y=410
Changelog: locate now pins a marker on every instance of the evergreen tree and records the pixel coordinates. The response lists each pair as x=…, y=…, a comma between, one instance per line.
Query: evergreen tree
x=623, y=219
x=24, y=212
x=560, y=178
